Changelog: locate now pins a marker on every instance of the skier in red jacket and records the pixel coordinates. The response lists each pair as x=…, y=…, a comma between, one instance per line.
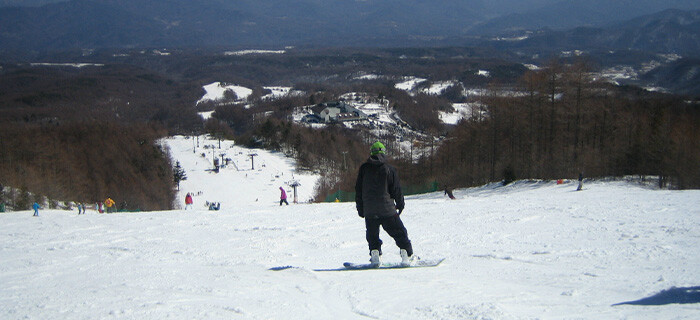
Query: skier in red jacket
x=188, y=201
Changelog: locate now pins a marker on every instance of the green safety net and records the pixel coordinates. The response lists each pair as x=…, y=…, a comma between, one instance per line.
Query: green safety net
x=347, y=196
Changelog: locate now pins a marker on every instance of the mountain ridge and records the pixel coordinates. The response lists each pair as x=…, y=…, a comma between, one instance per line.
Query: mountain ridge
x=668, y=31
x=77, y=24
x=570, y=14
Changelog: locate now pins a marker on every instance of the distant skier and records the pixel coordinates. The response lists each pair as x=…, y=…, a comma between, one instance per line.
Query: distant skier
x=188, y=201
x=36, y=208
x=580, y=181
x=283, y=196
x=109, y=203
x=379, y=201
x=80, y=208
x=448, y=192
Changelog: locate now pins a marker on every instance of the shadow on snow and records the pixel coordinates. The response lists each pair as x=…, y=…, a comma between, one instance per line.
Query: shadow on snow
x=670, y=296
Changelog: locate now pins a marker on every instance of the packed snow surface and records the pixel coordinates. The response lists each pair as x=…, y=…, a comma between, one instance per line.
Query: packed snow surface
x=529, y=250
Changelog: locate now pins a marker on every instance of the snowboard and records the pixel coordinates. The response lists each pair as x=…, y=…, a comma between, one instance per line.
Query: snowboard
x=350, y=266
x=393, y=265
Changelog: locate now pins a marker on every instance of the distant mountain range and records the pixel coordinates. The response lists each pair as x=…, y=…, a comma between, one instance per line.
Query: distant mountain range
x=669, y=31
x=47, y=25
x=682, y=76
x=570, y=14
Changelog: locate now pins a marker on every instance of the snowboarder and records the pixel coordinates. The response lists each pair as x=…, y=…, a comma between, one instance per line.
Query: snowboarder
x=580, y=181
x=379, y=201
x=36, y=208
x=188, y=201
x=283, y=196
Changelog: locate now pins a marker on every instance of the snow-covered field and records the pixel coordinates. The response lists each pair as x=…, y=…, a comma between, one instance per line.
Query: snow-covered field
x=215, y=91
x=530, y=250
x=462, y=111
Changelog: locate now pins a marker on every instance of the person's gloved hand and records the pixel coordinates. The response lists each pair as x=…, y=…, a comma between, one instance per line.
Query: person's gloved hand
x=399, y=210
x=359, y=213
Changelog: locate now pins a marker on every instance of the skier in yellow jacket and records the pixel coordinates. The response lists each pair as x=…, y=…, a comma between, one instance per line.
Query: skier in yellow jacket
x=109, y=203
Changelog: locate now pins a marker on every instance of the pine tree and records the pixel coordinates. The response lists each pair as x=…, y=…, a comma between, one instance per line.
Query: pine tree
x=178, y=174
x=23, y=202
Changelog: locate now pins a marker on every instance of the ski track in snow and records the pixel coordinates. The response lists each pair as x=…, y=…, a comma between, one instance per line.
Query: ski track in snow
x=530, y=250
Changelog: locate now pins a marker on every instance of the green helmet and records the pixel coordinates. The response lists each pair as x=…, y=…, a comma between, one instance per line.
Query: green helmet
x=377, y=148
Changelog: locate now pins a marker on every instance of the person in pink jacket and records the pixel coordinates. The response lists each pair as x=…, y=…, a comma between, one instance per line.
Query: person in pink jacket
x=283, y=197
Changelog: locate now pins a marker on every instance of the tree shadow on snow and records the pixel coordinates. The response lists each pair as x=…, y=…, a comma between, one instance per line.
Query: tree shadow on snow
x=670, y=296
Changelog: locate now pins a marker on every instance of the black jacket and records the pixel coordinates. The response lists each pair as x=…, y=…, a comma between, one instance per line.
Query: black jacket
x=378, y=190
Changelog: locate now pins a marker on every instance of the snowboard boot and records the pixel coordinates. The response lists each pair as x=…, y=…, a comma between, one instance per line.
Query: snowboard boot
x=406, y=260
x=375, y=259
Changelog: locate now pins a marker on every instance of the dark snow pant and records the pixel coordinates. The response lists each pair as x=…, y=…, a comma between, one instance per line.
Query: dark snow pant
x=283, y=201
x=394, y=227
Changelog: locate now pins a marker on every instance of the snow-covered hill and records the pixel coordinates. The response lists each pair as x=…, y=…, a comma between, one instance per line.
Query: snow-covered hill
x=530, y=250
x=251, y=177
